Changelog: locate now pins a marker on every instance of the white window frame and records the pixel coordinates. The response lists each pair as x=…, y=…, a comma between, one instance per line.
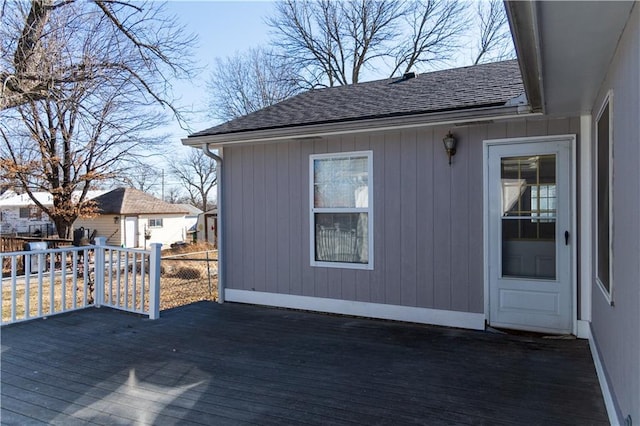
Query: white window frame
x=608, y=293
x=156, y=220
x=313, y=210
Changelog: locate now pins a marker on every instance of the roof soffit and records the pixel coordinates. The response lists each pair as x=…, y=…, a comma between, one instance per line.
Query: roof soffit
x=574, y=43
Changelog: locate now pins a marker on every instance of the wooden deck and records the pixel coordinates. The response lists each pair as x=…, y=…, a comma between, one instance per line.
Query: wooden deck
x=236, y=364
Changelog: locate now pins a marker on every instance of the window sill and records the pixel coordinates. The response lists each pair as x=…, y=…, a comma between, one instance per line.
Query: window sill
x=608, y=295
x=340, y=265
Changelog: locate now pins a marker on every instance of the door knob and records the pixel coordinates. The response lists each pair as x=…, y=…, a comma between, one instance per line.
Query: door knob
x=566, y=238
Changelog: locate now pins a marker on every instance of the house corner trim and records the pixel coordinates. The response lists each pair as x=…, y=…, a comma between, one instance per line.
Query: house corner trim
x=605, y=386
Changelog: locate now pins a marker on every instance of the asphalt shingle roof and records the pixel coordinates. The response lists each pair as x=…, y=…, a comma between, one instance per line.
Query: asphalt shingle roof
x=134, y=201
x=484, y=85
x=191, y=210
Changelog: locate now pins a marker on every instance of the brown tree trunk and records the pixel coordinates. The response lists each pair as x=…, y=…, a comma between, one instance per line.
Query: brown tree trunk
x=63, y=227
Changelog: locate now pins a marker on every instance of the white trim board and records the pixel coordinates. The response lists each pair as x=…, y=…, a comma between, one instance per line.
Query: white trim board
x=583, y=330
x=586, y=221
x=602, y=379
x=469, y=320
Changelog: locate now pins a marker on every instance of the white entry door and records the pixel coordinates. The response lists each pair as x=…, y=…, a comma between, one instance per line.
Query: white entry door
x=530, y=239
x=131, y=232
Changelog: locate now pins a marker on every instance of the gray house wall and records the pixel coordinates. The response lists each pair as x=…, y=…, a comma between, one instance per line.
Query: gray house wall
x=428, y=236
x=616, y=328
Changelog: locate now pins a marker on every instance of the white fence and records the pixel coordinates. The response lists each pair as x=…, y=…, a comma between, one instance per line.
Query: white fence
x=41, y=283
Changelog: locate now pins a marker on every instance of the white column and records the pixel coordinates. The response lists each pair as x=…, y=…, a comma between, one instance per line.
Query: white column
x=154, y=281
x=585, y=214
x=99, y=271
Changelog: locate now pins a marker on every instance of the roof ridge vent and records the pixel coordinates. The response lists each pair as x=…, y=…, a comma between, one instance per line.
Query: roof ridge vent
x=409, y=75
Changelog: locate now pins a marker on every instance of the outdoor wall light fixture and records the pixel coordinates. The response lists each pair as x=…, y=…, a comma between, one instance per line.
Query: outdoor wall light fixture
x=116, y=219
x=450, y=145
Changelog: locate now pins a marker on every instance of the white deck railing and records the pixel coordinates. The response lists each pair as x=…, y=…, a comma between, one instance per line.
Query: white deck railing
x=41, y=283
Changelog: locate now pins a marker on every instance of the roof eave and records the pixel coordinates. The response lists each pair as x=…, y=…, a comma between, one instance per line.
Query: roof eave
x=458, y=117
x=523, y=22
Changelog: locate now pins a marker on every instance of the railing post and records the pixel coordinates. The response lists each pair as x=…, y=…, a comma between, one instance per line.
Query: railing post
x=154, y=281
x=99, y=271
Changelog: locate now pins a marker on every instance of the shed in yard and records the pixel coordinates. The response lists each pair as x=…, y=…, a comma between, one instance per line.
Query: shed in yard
x=129, y=217
x=207, y=227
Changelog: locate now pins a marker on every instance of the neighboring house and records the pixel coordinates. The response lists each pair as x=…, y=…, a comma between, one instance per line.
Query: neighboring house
x=131, y=218
x=192, y=213
x=343, y=199
x=20, y=215
x=207, y=227
x=191, y=222
x=7, y=194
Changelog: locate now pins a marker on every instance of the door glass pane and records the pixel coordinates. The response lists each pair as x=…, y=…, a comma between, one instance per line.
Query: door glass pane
x=529, y=216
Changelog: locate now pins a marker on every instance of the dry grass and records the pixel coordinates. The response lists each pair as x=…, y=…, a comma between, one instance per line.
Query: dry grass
x=41, y=302
x=188, y=248
x=187, y=277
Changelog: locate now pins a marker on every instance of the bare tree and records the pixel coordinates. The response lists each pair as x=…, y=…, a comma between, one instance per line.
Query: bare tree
x=66, y=148
x=493, y=38
x=435, y=30
x=140, y=175
x=334, y=42
x=143, y=39
x=84, y=95
x=175, y=195
x=197, y=174
x=247, y=82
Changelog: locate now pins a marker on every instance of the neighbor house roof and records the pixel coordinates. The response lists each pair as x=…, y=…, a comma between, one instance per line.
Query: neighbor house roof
x=487, y=85
x=191, y=210
x=134, y=201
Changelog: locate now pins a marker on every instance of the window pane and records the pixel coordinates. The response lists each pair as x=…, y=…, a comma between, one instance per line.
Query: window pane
x=528, y=249
x=603, y=199
x=342, y=237
x=341, y=182
x=528, y=186
x=529, y=203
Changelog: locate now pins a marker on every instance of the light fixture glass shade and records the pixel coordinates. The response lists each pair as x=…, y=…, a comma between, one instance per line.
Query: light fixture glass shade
x=449, y=145
x=449, y=142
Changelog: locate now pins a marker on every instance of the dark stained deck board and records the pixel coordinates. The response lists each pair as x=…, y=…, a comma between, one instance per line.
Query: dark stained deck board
x=272, y=366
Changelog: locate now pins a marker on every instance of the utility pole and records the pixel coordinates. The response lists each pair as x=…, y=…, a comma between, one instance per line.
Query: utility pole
x=162, y=184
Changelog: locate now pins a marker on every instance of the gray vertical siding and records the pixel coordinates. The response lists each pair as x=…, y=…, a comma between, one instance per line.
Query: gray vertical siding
x=427, y=216
x=616, y=328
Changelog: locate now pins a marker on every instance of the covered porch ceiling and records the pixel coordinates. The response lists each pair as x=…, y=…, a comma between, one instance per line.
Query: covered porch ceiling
x=564, y=49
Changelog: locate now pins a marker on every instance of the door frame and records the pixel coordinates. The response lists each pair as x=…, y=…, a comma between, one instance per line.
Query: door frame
x=571, y=138
x=136, y=242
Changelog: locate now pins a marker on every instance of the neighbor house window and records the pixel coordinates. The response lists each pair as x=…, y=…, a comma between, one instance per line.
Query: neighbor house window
x=35, y=213
x=341, y=198
x=31, y=212
x=603, y=201
x=155, y=223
